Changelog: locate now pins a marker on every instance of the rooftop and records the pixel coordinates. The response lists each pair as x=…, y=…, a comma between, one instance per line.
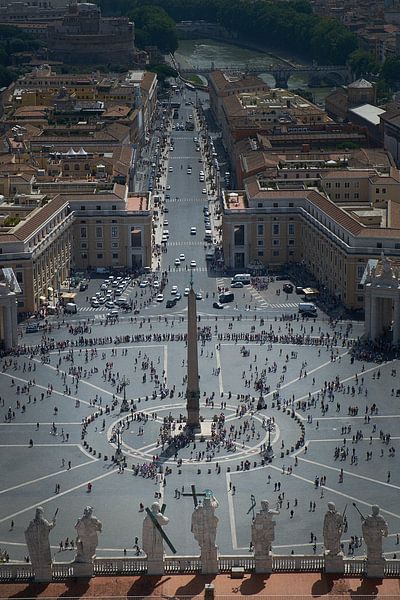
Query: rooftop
x=369, y=112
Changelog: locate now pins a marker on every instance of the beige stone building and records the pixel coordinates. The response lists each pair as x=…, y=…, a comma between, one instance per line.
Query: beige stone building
x=278, y=226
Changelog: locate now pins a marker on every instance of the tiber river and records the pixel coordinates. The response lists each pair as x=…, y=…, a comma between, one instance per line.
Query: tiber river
x=200, y=53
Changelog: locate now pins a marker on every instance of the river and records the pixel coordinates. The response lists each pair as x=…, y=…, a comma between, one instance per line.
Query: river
x=201, y=53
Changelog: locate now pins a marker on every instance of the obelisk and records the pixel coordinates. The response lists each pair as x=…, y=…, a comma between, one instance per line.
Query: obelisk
x=192, y=389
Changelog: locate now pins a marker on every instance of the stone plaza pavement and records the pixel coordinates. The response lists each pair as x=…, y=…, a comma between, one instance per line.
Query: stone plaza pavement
x=299, y=586
x=299, y=372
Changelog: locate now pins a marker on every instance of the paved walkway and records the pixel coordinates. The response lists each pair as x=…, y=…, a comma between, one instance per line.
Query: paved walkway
x=286, y=586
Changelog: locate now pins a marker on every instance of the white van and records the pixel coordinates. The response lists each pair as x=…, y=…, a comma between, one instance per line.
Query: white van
x=307, y=308
x=71, y=308
x=245, y=278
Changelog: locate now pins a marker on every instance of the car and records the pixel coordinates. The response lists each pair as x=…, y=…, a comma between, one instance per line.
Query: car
x=126, y=305
x=170, y=169
x=204, y=191
x=299, y=289
x=199, y=296
x=201, y=173
x=206, y=212
x=237, y=284
x=186, y=292
x=164, y=239
x=182, y=257
x=95, y=304
x=32, y=327
x=174, y=289
x=178, y=296
x=118, y=292
x=171, y=303
x=165, y=223
x=288, y=288
x=160, y=298
x=144, y=283
x=195, y=139
x=171, y=148
x=156, y=283
x=165, y=233
x=83, y=286
x=218, y=305
x=193, y=230
x=101, y=299
x=167, y=197
x=193, y=264
x=177, y=262
x=167, y=187
x=119, y=301
x=109, y=304
x=207, y=223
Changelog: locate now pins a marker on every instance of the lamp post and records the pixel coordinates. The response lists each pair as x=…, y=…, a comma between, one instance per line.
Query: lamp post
x=124, y=405
x=269, y=452
x=119, y=457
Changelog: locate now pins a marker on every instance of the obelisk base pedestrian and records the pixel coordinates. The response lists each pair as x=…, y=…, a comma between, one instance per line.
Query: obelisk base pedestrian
x=334, y=564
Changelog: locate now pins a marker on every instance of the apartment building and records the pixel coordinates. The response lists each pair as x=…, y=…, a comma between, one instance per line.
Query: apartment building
x=279, y=226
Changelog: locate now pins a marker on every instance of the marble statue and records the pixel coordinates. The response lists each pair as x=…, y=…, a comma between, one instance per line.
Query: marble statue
x=263, y=530
x=37, y=540
x=152, y=540
x=332, y=531
x=204, y=529
x=87, y=528
x=374, y=528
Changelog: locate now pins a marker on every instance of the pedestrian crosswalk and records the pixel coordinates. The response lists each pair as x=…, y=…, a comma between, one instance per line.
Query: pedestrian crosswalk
x=189, y=243
x=172, y=157
x=280, y=306
x=187, y=268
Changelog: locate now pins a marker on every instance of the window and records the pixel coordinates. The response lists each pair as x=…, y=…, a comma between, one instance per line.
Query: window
x=114, y=231
x=136, y=237
x=337, y=184
x=376, y=190
x=379, y=244
x=100, y=255
x=275, y=229
x=238, y=235
x=276, y=242
x=83, y=232
x=291, y=204
x=99, y=245
x=275, y=205
x=114, y=244
x=291, y=242
x=261, y=253
x=360, y=271
x=84, y=245
x=83, y=207
x=259, y=205
x=356, y=195
x=98, y=207
x=260, y=242
x=291, y=229
x=83, y=255
x=337, y=196
x=347, y=184
x=99, y=231
x=275, y=253
x=20, y=276
x=347, y=196
x=113, y=207
x=76, y=167
x=328, y=185
x=115, y=255
x=383, y=190
x=260, y=229
x=397, y=246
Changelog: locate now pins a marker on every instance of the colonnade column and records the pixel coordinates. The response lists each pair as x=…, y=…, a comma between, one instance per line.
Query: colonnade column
x=7, y=324
x=374, y=325
x=14, y=322
x=396, y=321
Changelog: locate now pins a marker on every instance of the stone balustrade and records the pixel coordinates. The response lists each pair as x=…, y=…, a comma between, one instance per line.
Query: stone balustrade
x=104, y=566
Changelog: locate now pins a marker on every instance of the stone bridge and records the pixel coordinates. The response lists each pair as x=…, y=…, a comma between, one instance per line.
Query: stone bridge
x=316, y=74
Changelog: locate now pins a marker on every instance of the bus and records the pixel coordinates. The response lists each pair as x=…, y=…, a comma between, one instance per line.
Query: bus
x=226, y=297
x=245, y=278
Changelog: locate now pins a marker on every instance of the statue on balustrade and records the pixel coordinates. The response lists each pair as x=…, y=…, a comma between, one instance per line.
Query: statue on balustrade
x=37, y=540
x=332, y=530
x=263, y=530
x=87, y=529
x=374, y=529
x=204, y=529
x=152, y=541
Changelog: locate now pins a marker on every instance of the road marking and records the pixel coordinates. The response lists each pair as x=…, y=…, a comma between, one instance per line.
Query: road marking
x=31, y=481
x=218, y=359
x=41, y=423
x=56, y=496
x=42, y=387
x=231, y=512
x=350, y=473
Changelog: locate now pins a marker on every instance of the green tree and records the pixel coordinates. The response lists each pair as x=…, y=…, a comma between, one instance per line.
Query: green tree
x=391, y=69
x=362, y=63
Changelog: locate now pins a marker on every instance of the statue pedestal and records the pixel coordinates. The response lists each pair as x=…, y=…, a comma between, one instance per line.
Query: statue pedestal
x=209, y=561
x=263, y=564
x=83, y=570
x=43, y=573
x=124, y=406
x=334, y=564
x=155, y=566
x=375, y=568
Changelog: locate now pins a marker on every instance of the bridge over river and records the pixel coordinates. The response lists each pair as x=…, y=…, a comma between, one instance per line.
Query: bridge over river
x=317, y=74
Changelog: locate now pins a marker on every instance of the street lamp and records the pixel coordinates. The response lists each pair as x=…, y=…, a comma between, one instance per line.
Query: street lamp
x=119, y=457
x=269, y=452
x=124, y=405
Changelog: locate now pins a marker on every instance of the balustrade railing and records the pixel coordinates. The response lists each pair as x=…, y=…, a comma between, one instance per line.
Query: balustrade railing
x=227, y=561
x=182, y=564
x=287, y=564
x=354, y=566
x=136, y=565
x=392, y=568
x=16, y=572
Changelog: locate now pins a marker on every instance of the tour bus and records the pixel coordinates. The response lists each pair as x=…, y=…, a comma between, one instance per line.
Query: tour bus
x=70, y=307
x=226, y=297
x=245, y=278
x=307, y=308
